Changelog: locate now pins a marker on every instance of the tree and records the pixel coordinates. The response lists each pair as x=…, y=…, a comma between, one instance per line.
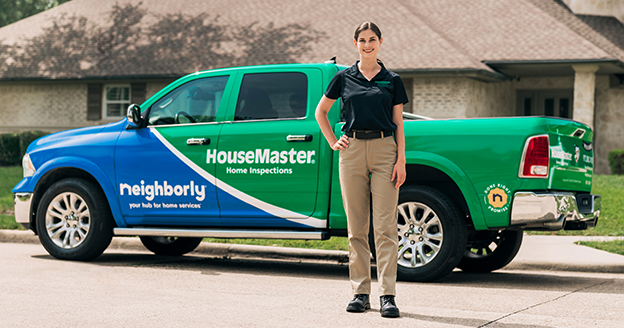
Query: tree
x=175, y=44
x=13, y=10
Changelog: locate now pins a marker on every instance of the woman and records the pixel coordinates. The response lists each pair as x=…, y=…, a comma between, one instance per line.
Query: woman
x=372, y=164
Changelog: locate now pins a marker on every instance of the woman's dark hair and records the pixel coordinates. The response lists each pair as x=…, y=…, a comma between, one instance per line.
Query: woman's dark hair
x=367, y=26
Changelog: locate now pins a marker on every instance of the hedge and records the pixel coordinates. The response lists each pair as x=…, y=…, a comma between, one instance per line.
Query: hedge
x=616, y=161
x=13, y=146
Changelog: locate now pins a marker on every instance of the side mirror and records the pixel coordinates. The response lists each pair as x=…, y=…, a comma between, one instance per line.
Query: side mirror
x=135, y=121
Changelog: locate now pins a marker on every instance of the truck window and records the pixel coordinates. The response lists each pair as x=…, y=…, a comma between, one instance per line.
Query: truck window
x=193, y=102
x=272, y=96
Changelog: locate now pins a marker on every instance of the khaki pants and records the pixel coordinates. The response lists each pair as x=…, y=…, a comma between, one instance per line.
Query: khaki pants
x=365, y=170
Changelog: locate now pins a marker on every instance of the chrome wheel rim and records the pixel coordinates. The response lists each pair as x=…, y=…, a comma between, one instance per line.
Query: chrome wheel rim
x=420, y=234
x=68, y=220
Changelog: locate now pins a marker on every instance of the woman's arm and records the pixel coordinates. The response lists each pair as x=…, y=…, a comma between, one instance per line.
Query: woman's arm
x=321, y=117
x=399, y=172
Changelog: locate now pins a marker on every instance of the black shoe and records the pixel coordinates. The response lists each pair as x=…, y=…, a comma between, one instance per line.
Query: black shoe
x=359, y=303
x=388, y=307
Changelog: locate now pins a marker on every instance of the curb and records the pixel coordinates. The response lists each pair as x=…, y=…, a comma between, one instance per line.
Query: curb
x=521, y=263
x=205, y=248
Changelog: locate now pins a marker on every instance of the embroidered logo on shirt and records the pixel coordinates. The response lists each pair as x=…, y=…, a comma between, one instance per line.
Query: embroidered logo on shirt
x=383, y=83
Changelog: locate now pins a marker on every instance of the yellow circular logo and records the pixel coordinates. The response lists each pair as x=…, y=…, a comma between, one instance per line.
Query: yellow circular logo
x=497, y=197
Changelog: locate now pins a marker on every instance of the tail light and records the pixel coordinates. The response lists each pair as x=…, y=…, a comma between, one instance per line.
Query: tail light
x=535, y=158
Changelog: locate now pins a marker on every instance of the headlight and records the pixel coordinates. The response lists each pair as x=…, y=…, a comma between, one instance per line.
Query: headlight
x=27, y=165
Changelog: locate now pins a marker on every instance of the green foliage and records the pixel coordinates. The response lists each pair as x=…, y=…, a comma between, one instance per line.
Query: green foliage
x=8, y=222
x=614, y=246
x=9, y=149
x=69, y=42
x=13, y=146
x=13, y=10
x=9, y=177
x=616, y=161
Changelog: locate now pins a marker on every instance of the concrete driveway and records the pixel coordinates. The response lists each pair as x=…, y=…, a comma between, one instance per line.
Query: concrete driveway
x=127, y=288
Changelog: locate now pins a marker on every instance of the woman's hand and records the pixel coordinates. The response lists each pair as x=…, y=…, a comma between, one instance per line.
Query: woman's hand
x=342, y=143
x=399, y=174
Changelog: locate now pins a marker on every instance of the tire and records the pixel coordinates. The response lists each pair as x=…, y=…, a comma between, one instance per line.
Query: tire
x=171, y=246
x=431, y=232
x=74, y=220
x=491, y=251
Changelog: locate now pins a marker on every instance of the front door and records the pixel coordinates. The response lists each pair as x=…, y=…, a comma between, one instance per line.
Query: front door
x=557, y=103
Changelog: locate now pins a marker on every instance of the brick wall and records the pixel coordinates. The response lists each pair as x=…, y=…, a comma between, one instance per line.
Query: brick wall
x=42, y=106
x=440, y=97
x=49, y=106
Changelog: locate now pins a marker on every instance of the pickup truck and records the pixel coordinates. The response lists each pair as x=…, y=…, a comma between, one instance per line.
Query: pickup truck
x=237, y=153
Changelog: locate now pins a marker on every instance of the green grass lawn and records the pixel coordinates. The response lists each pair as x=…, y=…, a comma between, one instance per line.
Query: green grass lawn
x=335, y=243
x=615, y=246
x=9, y=177
x=611, y=222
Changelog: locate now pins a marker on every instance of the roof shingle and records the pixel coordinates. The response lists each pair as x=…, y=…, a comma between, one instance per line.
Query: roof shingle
x=92, y=38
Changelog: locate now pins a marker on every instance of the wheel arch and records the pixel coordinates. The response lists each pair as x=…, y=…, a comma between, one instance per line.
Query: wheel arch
x=442, y=174
x=51, y=173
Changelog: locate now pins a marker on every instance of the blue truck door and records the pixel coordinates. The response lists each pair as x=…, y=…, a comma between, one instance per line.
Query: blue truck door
x=161, y=171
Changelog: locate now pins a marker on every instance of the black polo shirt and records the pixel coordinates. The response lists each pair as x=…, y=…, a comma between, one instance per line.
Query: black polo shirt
x=367, y=104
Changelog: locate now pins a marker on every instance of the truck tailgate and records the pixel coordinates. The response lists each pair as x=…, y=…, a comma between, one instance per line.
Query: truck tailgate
x=571, y=155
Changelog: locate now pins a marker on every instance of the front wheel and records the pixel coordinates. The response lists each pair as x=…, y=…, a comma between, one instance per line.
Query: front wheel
x=171, y=246
x=431, y=233
x=491, y=250
x=74, y=221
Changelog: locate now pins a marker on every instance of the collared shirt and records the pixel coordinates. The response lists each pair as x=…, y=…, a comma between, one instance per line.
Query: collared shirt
x=367, y=104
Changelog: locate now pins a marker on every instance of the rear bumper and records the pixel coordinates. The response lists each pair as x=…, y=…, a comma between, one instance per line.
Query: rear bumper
x=554, y=211
x=22, y=202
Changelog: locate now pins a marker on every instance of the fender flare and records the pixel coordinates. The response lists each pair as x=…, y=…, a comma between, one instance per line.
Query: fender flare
x=458, y=176
x=84, y=165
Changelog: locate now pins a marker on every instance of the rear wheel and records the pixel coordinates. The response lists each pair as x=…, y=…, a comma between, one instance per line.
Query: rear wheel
x=171, y=246
x=74, y=221
x=491, y=250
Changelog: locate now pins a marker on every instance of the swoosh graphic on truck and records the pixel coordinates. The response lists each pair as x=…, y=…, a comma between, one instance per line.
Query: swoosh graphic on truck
x=264, y=206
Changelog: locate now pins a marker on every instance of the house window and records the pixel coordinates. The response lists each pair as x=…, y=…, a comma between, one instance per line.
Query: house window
x=116, y=100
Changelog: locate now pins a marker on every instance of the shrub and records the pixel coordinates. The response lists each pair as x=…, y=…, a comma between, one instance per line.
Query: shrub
x=9, y=149
x=616, y=161
x=13, y=146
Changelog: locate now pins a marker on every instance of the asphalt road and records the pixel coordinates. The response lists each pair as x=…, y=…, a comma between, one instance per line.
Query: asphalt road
x=124, y=288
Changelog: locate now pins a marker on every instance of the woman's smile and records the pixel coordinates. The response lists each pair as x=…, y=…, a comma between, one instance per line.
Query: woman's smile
x=368, y=43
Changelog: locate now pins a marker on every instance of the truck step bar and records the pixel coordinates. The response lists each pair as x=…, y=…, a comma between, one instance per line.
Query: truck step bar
x=221, y=233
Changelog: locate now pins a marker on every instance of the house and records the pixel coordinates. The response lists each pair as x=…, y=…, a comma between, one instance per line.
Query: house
x=83, y=62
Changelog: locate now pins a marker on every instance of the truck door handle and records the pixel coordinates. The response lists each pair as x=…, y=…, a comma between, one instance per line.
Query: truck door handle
x=299, y=138
x=198, y=141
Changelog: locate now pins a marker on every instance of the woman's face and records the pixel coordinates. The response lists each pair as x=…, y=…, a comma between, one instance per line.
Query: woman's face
x=368, y=44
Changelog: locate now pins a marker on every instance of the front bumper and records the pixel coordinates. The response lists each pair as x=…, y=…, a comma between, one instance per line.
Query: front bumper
x=554, y=211
x=22, y=202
